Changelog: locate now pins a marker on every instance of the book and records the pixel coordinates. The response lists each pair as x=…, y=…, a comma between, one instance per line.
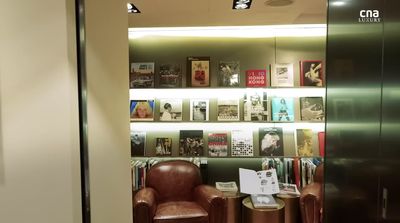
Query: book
x=141, y=75
x=163, y=146
x=304, y=142
x=170, y=76
x=170, y=109
x=282, y=75
x=138, y=143
x=312, y=109
x=198, y=71
x=258, y=182
x=311, y=73
x=290, y=189
x=199, y=109
x=229, y=74
x=228, y=110
x=217, y=144
x=242, y=143
x=271, y=141
x=191, y=143
x=263, y=201
x=142, y=110
x=256, y=78
x=255, y=105
x=282, y=109
x=321, y=141
x=229, y=186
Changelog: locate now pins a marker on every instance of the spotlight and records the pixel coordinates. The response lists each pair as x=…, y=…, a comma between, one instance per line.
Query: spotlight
x=241, y=4
x=132, y=8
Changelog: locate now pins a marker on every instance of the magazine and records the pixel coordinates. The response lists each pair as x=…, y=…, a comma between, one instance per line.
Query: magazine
x=256, y=78
x=141, y=75
x=199, y=109
x=304, y=142
x=311, y=73
x=226, y=186
x=142, y=110
x=170, y=75
x=229, y=74
x=260, y=182
x=312, y=109
x=255, y=106
x=282, y=75
x=163, y=146
x=217, y=144
x=242, y=143
x=228, y=110
x=290, y=189
x=198, y=71
x=271, y=141
x=138, y=143
x=170, y=109
x=282, y=109
x=191, y=143
x=263, y=201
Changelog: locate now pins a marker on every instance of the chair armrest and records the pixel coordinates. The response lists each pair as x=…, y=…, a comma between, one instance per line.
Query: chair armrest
x=310, y=203
x=213, y=201
x=144, y=205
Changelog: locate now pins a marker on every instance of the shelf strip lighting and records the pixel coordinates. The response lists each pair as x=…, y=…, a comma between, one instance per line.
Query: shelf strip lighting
x=190, y=93
x=232, y=31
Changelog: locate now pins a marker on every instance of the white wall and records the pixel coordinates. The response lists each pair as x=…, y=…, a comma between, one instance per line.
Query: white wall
x=108, y=110
x=39, y=138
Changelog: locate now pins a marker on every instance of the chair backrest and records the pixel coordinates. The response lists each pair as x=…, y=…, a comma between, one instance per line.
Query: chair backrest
x=319, y=173
x=174, y=180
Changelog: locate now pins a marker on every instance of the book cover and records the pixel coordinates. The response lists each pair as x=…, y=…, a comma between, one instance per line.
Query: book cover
x=312, y=109
x=170, y=109
x=255, y=106
x=141, y=75
x=263, y=201
x=199, y=109
x=191, y=143
x=311, y=73
x=256, y=78
x=282, y=109
x=242, y=143
x=163, y=146
x=229, y=186
x=138, y=143
x=217, y=144
x=170, y=76
x=198, y=71
x=229, y=74
x=228, y=110
x=142, y=110
x=271, y=141
x=304, y=142
x=321, y=141
x=282, y=75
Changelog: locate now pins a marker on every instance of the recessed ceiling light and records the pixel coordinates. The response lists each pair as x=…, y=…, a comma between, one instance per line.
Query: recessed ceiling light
x=338, y=3
x=278, y=3
x=241, y=4
x=132, y=8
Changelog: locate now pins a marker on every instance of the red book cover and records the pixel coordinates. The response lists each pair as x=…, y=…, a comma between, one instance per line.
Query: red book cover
x=321, y=139
x=256, y=78
x=296, y=168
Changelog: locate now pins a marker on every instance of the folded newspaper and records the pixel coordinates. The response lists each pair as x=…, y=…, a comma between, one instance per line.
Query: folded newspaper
x=260, y=182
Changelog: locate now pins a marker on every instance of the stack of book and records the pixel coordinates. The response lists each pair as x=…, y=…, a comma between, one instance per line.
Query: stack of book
x=263, y=201
x=229, y=187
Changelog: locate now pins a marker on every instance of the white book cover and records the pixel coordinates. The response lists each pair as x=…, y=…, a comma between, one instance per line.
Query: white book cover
x=282, y=75
x=242, y=143
x=199, y=109
x=170, y=109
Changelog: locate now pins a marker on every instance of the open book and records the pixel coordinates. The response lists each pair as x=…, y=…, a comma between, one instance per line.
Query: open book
x=260, y=182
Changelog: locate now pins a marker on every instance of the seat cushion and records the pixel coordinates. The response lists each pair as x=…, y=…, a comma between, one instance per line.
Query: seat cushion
x=180, y=212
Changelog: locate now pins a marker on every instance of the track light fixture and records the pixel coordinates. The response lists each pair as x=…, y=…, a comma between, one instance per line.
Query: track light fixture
x=241, y=4
x=132, y=8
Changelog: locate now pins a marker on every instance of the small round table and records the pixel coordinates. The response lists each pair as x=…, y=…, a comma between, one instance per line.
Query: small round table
x=262, y=215
x=234, y=207
x=292, y=207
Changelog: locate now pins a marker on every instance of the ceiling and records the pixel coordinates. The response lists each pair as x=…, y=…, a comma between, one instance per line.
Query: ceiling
x=178, y=13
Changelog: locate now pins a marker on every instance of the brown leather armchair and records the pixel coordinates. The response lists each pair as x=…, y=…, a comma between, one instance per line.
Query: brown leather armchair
x=174, y=194
x=311, y=198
